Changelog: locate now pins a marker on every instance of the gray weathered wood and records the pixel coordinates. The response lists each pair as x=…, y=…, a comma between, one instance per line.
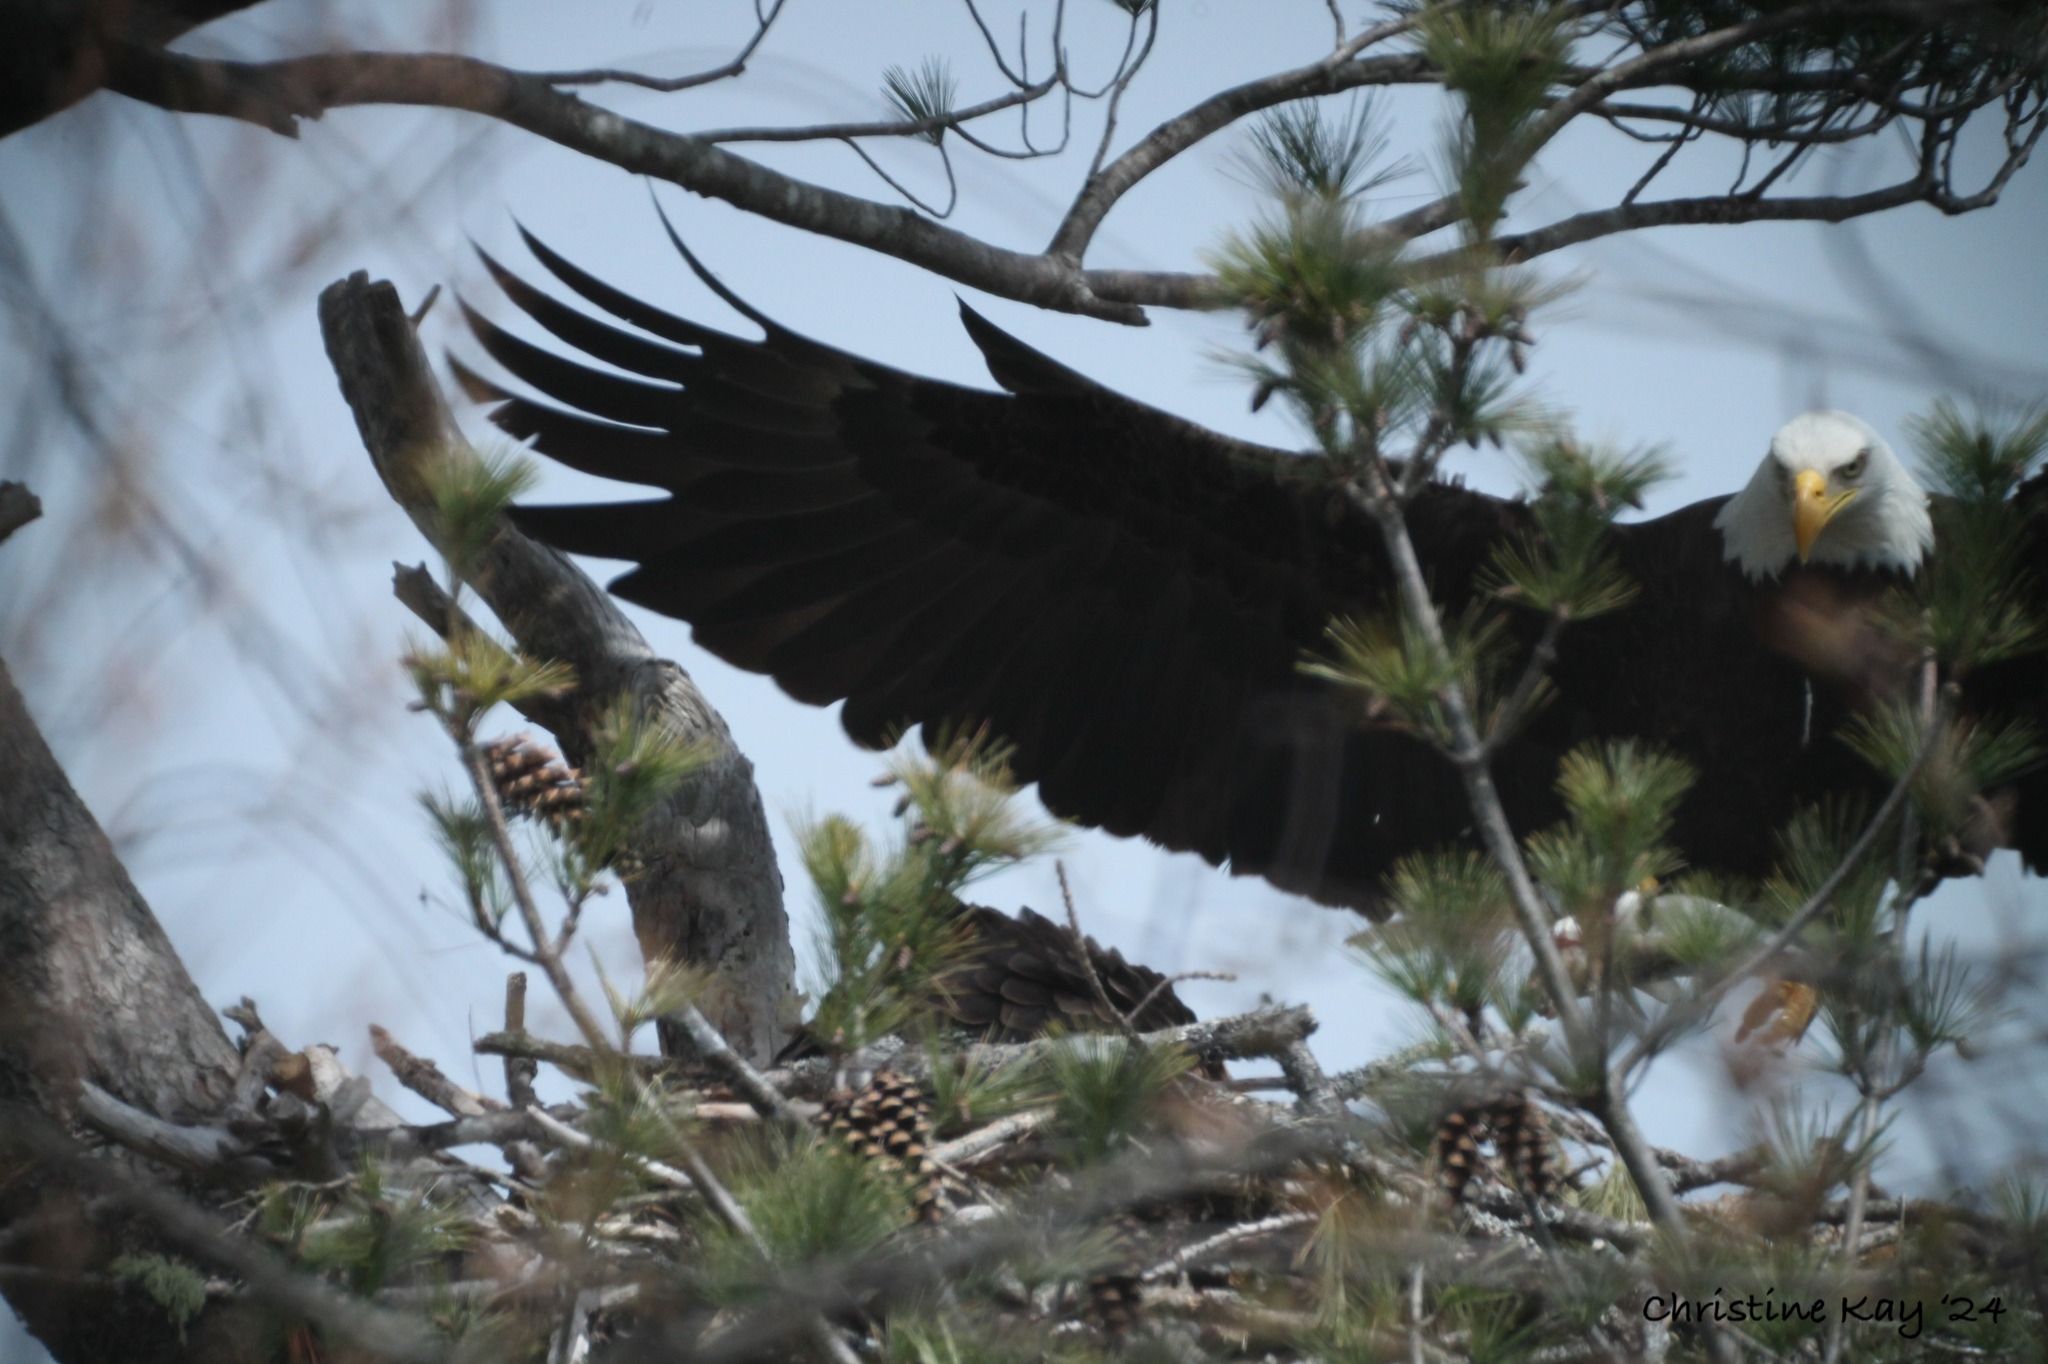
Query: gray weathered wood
x=711, y=897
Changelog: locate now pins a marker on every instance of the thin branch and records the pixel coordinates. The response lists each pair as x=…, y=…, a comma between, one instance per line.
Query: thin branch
x=1701, y=1004
x=203, y=1150
x=1086, y=958
x=276, y=94
x=1223, y=1240
x=1315, y=1096
x=952, y=185
x=580, y=1063
x=754, y=1087
x=670, y=84
x=1911, y=885
x=898, y=127
x=564, y=1135
x=544, y=951
x=1121, y=81
x=969, y=1150
x=520, y=1071
x=1177, y=978
x=1176, y=135
x=1522, y=699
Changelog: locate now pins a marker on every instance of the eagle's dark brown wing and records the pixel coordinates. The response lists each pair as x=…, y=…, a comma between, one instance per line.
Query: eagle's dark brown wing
x=2016, y=689
x=1024, y=978
x=1122, y=596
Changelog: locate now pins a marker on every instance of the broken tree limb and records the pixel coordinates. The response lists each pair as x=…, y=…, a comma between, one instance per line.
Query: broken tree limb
x=711, y=894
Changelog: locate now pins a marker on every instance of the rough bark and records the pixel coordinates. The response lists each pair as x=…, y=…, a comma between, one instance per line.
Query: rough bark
x=90, y=987
x=90, y=990
x=711, y=895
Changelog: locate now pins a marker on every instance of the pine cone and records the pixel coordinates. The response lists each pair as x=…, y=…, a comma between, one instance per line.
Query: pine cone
x=1456, y=1144
x=1113, y=1303
x=889, y=1120
x=532, y=781
x=1523, y=1139
x=1111, y=1300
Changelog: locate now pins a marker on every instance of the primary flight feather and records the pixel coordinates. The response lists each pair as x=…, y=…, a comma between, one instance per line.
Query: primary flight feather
x=1127, y=598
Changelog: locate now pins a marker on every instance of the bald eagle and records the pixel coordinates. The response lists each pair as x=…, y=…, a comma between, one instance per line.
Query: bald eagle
x=1127, y=598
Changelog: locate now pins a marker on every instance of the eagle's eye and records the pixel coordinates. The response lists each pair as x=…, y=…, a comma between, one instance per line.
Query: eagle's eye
x=1853, y=470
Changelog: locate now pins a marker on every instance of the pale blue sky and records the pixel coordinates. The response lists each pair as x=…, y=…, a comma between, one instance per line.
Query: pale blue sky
x=242, y=731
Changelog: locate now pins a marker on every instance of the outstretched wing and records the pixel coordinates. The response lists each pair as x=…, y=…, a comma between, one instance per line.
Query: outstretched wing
x=2016, y=689
x=1122, y=596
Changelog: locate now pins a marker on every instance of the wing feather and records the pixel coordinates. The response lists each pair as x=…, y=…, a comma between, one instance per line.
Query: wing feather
x=1121, y=595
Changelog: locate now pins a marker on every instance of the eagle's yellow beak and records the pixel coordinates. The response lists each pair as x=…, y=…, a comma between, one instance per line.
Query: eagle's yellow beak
x=1812, y=508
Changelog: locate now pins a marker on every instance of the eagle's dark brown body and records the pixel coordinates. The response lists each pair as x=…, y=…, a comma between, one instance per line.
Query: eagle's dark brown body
x=1127, y=598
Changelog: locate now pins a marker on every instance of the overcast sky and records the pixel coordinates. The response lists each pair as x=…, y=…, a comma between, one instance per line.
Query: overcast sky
x=203, y=623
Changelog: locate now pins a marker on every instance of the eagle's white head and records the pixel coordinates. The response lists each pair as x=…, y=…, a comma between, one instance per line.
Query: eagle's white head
x=1831, y=492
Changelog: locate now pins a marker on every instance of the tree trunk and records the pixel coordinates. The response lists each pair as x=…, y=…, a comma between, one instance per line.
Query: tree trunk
x=711, y=894
x=90, y=989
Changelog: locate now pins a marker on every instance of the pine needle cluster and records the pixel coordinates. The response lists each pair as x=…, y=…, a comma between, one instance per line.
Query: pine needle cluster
x=891, y=932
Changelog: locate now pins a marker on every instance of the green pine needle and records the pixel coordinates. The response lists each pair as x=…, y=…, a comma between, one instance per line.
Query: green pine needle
x=1944, y=1005
x=1502, y=60
x=808, y=1201
x=1403, y=676
x=1973, y=603
x=1620, y=799
x=1968, y=757
x=636, y=764
x=922, y=95
x=464, y=833
x=1973, y=460
x=1298, y=150
x=377, y=1237
x=1810, y=847
x=1312, y=276
x=1565, y=565
x=1107, y=1090
x=472, y=672
x=173, y=1285
x=966, y=1094
x=891, y=933
x=471, y=496
x=1452, y=934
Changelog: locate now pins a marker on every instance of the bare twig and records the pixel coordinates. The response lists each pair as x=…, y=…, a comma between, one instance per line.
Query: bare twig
x=582, y=1063
x=948, y=121
x=1086, y=958
x=425, y=1079
x=737, y=65
x=520, y=1071
x=965, y=1151
x=564, y=1135
x=754, y=1087
x=1223, y=1240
